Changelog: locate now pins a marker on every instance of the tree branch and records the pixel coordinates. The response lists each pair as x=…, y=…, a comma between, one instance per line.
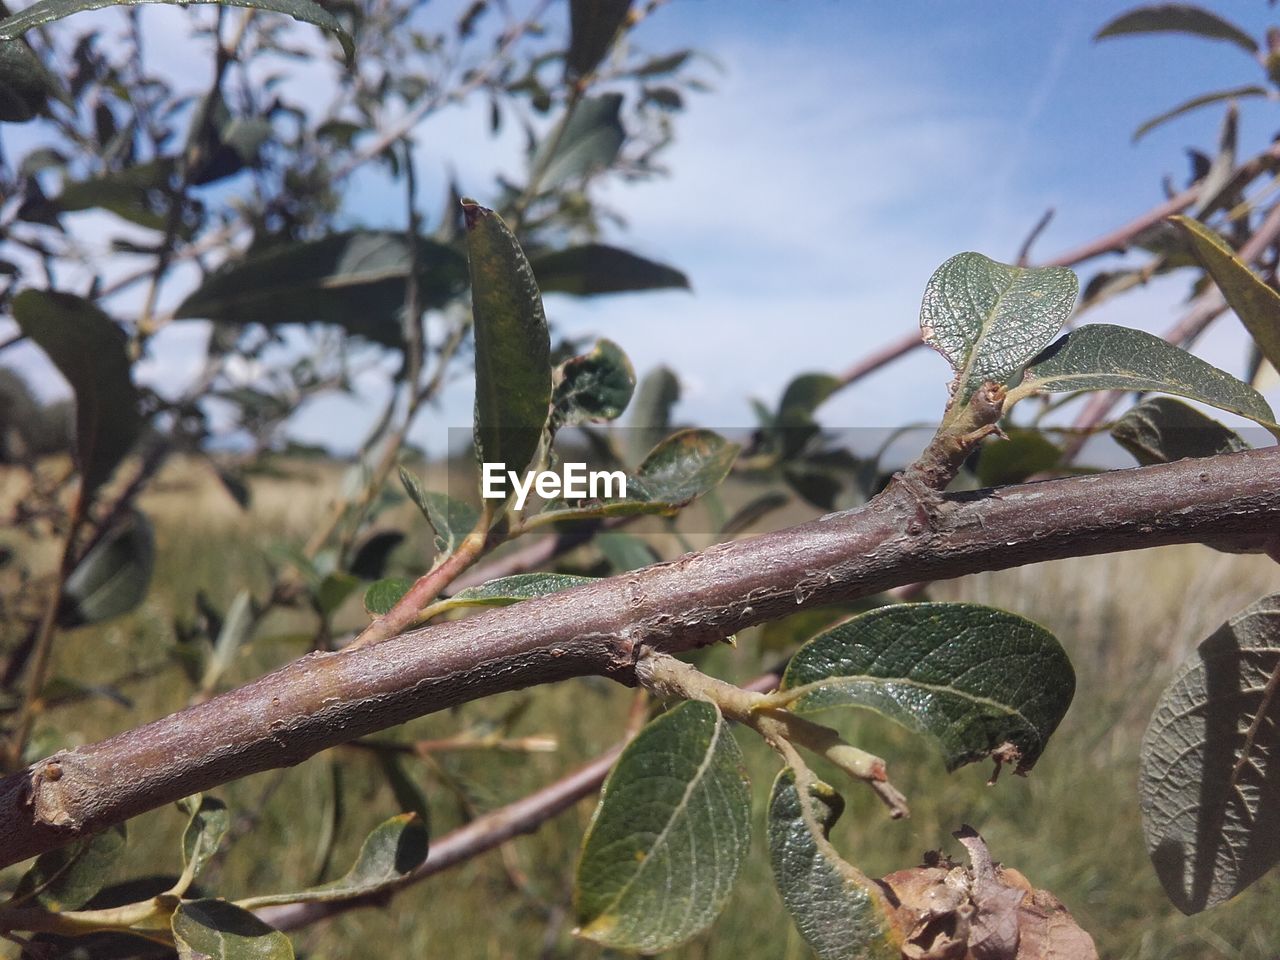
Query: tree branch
x=325, y=699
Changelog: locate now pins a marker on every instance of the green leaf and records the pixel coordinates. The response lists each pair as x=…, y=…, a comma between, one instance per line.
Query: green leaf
x=623, y=551
x=67, y=878
x=988, y=318
x=1104, y=357
x=1209, y=783
x=794, y=422
x=385, y=594
x=91, y=352
x=237, y=627
x=594, y=386
x=25, y=85
x=677, y=471
x=650, y=419
x=113, y=577
x=590, y=141
x=505, y=591
x=593, y=25
x=354, y=280
x=513, y=347
x=203, y=929
x=209, y=823
x=1162, y=430
x=138, y=194
x=1195, y=103
x=669, y=837
x=451, y=519
x=333, y=591
x=596, y=268
x=1021, y=454
x=977, y=680
x=1178, y=18
x=47, y=11
x=1253, y=300
x=839, y=912
x=408, y=794
x=390, y=853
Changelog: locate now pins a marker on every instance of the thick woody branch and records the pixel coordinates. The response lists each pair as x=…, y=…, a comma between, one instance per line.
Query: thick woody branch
x=329, y=698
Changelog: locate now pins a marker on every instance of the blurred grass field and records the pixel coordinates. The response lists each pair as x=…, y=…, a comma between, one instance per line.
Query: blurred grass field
x=1072, y=827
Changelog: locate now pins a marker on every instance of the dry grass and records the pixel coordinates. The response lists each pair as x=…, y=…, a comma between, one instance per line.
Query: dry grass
x=1072, y=826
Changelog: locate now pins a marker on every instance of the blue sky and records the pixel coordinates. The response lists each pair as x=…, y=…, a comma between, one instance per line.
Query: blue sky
x=847, y=149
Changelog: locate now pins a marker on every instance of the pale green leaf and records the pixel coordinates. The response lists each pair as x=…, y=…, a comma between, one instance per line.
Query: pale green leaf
x=1104, y=357
x=394, y=849
x=989, y=318
x=114, y=576
x=67, y=878
x=591, y=138
x=451, y=519
x=670, y=836
x=513, y=347
x=1254, y=301
x=209, y=823
x=385, y=594
x=839, y=912
x=505, y=591
x=1209, y=780
x=977, y=680
x=205, y=929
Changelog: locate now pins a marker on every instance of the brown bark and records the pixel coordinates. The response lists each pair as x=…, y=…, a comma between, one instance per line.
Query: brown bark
x=901, y=537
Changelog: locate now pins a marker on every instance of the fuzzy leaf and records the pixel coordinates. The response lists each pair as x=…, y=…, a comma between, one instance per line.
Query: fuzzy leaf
x=394, y=849
x=975, y=679
x=505, y=591
x=669, y=837
x=840, y=913
x=1254, y=301
x=1104, y=357
x=205, y=831
x=385, y=594
x=513, y=348
x=988, y=318
x=203, y=929
x=1209, y=780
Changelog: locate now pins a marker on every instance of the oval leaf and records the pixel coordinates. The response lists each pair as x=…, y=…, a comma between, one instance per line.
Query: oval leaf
x=354, y=280
x=1254, y=301
x=25, y=84
x=1209, y=780
x=840, y=913
x=1162, y=430
x=1104, y=357
x=670, y=836
x=69, y=877
x=593, y=25
x=505, y=591
x=205, y=831
x=46, y=11
x=513, y=347
x=1177, y=18
x=590, y=141
x=451, y=519
x=394, y=849
x=113, y=577
x=382, y=596
x=595, y=268
x=650, y=419
x=90, y=351
x=215, y=928
x=988, y=318
x=594, y=386
x=979, y=681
